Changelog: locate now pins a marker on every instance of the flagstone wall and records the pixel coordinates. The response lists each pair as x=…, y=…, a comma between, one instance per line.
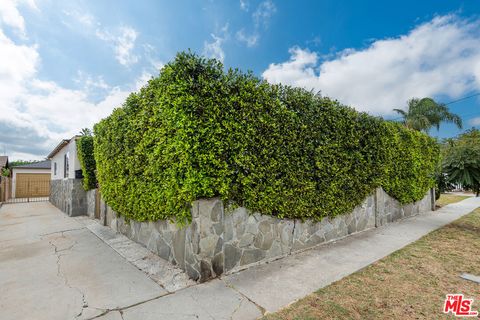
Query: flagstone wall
x=220, y=241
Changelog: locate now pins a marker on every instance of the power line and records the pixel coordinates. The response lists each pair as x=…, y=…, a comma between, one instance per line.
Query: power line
x=464, y=98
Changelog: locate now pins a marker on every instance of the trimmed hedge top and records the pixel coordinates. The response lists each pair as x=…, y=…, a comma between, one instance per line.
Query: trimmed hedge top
x=196, y=131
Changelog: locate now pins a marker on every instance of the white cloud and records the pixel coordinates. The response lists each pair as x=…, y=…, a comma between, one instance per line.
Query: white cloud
x=264, y=12
x=244, y=5
x=84, y=18
x=142, y=80
x=440, y=57
x=55, y=111
x=45, y=111
x=123, y=42
x=261, y=18
x=249, y=40
x=17, y=64
x=90, y=82
x=10, y=16
x=214, y=48
x=151, y=55
x=475, y=121
x=122, y=39
x=124, y=46
x=35, y=114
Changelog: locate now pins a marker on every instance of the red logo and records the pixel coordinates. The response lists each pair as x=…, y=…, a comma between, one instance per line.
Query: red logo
x=459, y=306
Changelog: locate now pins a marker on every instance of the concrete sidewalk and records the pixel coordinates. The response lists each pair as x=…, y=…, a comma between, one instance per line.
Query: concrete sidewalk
x=273, y=286
x=54, y=267
x=282, y=282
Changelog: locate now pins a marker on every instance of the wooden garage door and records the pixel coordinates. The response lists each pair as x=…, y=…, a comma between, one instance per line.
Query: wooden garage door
x=30, y=185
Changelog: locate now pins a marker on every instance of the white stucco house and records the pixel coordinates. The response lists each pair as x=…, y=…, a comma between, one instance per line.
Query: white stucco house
x=31, y=180
x=65, y=164
x=66, y=189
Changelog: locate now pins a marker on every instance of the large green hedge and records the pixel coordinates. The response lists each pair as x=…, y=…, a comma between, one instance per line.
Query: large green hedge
x=199, y=131
x=87, y=161
x=412, y=160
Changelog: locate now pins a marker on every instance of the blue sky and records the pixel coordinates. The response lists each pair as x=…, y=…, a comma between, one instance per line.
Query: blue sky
x=64, y=65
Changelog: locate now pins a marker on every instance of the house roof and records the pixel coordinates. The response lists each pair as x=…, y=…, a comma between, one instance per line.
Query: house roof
x=3, y=161
x=35, y=165
x=60, y=146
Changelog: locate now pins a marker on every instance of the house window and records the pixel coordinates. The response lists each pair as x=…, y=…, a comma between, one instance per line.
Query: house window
x=54, y=168
x=66, y=165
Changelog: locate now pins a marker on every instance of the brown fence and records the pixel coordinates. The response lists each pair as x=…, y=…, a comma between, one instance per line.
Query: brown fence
x=5, y=189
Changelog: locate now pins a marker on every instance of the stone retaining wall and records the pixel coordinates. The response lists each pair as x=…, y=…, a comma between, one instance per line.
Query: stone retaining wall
x=68, y=195
x=390, y=210
x=219, y=242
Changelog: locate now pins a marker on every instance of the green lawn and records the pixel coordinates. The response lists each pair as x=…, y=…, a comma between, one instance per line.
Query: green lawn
x=409, y=284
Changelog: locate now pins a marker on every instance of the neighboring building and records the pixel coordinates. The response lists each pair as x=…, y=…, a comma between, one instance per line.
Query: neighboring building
x=65, y=164
x=31, y=180
x=3, y=162
x=67, y=192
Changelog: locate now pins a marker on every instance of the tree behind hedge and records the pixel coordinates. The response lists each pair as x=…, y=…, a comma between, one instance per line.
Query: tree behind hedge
x=197, y=131
x=87, y=161
x=461, y=160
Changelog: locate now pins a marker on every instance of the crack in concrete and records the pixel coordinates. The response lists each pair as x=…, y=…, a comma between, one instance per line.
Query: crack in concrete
x=58, y=253
x=60, y=231
x=121, y=309
x=237, y=308
x=62, y=275
x=105, y=311
x=102, y=312
x=262, y=309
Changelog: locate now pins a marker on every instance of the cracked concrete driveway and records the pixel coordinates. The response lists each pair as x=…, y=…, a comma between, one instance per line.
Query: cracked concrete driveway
x=53, y=267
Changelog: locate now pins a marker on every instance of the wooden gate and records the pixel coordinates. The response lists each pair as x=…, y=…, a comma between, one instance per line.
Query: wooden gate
x=31, y=187
x=98, y=198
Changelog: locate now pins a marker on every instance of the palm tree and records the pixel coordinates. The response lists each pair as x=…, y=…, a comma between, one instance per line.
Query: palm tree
x=85, y=132
x=423, y=114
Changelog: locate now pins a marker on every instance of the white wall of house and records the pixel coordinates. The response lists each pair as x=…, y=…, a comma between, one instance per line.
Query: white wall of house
x=58, y=162
x=23, y=170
